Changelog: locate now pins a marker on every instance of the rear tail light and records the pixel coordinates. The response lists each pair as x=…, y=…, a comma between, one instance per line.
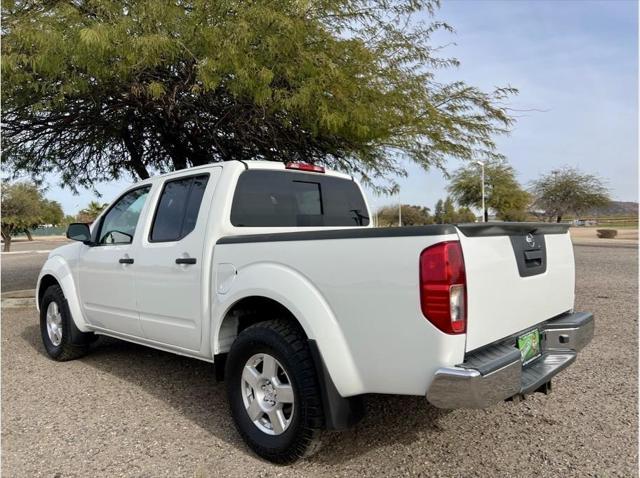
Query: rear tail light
x=443, y=294
x=305, y=167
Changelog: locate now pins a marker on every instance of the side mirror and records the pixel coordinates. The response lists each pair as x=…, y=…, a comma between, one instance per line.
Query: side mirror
x=79, y=231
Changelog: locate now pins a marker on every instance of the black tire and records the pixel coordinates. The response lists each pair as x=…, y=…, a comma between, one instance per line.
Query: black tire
x=287, y=343
x=74, y=343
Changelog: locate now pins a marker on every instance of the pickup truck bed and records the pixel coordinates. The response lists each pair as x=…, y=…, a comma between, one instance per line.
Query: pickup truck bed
x=389, y=347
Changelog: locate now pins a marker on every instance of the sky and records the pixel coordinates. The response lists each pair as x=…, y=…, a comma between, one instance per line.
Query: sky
x=575, y=64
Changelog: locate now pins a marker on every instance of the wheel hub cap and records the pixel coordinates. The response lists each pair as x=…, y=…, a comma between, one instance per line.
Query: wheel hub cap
x=270, y=395
x=54, y=324
x=267, y=394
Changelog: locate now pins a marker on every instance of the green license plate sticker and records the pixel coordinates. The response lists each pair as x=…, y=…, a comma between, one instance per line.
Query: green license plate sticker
x=529, y=345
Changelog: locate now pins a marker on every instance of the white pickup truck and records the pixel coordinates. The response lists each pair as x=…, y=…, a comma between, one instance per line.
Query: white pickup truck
x=275, y=274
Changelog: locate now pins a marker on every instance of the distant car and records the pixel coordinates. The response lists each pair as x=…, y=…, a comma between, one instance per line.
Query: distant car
x=276, y=271
x=584, y=223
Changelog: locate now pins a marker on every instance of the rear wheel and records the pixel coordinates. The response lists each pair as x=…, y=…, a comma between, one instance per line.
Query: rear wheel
x=273, y=391
x=61, y=339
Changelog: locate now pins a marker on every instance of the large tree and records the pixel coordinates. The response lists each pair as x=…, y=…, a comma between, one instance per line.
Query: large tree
x=25, y=208
x=93, y=89
x=503, y=193
x=568, y=190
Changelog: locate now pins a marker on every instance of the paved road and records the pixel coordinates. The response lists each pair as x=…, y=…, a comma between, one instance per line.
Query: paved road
x=125, y=410
x=21, y=266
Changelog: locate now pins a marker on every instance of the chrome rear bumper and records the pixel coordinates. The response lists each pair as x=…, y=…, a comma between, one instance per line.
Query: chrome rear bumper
x=496, y=373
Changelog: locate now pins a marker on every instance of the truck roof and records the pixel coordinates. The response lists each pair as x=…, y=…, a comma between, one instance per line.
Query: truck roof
x=251, y=164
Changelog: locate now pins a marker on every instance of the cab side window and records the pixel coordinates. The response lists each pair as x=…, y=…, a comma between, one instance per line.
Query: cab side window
x=119, y=224
x=178, y=208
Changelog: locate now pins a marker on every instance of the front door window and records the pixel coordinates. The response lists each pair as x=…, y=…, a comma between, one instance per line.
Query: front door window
x=119, y=224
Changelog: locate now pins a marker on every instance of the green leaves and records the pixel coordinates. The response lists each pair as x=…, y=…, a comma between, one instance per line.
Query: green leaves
x=99, y=88
x=94, y=37
x=411, y=216
x=24, y=208
x=91, y=212
x=155, y=89
x=503, y=193
x=568, y=190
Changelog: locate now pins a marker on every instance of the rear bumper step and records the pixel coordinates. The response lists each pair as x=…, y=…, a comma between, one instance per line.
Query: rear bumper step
x=495, y=373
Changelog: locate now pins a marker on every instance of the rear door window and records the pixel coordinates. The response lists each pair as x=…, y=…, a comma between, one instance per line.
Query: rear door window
x=290, y=199
x=178, y=208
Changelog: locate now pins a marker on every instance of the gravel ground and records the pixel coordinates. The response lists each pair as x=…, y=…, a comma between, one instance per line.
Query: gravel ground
x=126, y=410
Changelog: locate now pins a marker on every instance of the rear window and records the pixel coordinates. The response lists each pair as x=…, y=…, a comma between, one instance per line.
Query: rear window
x=281, y=199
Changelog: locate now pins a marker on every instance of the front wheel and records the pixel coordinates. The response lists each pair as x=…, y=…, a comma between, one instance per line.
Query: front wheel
x=273, y=391
x=58, y=330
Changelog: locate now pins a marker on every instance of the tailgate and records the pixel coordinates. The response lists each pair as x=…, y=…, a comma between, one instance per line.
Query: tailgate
x=518, y=275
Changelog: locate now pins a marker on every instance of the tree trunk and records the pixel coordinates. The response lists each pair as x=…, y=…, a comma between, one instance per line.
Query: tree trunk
x=140, y=170
x=173, y=143
x=28, y=233
x=135, y=156
x=7, y=243
x=559, y=219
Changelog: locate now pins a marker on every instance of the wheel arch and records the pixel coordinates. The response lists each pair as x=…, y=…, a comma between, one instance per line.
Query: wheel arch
x=46, y=281
x=247, y=311
x=292, y=294
x=56, y=271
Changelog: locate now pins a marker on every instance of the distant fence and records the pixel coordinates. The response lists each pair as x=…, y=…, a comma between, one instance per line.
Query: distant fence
x=613, y=221
x=46, y=231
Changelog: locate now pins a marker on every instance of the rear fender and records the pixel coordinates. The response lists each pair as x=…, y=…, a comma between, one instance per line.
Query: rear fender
x=295, y=292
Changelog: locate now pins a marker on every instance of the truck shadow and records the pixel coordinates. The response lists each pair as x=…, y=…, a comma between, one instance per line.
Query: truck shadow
x=189, y=386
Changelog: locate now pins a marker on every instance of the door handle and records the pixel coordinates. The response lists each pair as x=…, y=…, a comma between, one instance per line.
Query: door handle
x=125, y=260
x=186, y=260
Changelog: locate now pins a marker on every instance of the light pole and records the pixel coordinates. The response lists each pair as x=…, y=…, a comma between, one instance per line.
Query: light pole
x=484, y=211
x=400, y=214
